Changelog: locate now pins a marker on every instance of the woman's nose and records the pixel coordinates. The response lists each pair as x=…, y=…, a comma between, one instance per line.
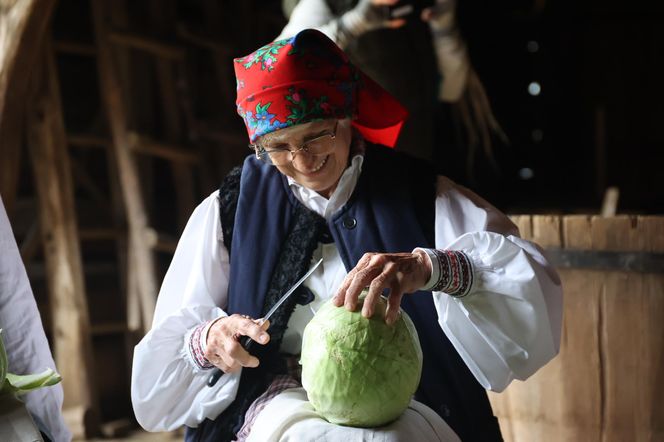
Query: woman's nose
x=303, y=159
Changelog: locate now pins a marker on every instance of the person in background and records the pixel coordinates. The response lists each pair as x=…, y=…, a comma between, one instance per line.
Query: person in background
x=324, y=183
x=24, y=337
x=422, y=60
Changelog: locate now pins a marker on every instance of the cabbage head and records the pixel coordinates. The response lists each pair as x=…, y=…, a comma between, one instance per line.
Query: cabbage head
x=20, y=384
x=360, y=372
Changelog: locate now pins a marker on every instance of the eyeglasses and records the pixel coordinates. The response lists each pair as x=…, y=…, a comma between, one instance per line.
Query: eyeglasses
x=278, y=156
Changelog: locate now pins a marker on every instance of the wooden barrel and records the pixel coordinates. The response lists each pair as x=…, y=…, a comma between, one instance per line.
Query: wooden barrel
x=607, y=383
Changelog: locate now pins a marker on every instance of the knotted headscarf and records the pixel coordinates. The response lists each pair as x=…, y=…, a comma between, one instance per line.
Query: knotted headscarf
x=309, y=78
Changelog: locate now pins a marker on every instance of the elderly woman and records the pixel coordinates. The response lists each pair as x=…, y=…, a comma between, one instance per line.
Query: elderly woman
x=323, y=183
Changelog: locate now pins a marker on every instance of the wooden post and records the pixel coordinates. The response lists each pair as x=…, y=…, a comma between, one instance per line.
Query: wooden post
x=22, y=27
x=142, y=267
x=50, y=160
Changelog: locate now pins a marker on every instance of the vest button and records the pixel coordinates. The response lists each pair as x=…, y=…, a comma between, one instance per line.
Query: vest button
x=349, y=223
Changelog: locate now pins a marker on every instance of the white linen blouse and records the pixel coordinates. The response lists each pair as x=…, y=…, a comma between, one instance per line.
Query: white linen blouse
x=506, y=328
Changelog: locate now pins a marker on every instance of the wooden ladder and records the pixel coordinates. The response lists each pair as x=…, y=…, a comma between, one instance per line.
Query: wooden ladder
x=128, y=156
x=112, y=47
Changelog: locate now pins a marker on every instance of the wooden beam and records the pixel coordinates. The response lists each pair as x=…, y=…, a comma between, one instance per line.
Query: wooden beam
x=161, y=242
x=145, y=145
x=84, y=180
x=85, y=140
x=119, y=16
x=163, y=20
x=141, y=262
x=143, y=43
x=22, y=27
x=222, y=137
x=52, y=173
x=74, y=48
x=31, y=243
x=38, y=271
x=108, y=328
x=195, y=38
x=610, y=201
x=99, y=234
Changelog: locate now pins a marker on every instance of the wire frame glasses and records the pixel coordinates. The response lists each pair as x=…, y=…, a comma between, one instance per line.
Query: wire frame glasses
x=321, y=144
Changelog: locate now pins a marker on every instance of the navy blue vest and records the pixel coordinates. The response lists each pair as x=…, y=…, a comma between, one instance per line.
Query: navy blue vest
x=391, y=210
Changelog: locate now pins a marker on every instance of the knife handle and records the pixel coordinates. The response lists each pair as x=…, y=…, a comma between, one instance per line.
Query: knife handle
x=245, y=342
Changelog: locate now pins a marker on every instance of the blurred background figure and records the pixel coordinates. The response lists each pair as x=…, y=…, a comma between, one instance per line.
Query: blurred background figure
x=413, y=48
x=24, y=338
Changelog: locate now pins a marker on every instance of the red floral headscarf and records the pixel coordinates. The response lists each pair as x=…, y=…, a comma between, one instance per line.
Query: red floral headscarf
x=308, y=78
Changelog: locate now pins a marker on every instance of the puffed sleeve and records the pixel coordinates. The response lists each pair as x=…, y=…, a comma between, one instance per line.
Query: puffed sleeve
x=508, y=325
x=168, y=387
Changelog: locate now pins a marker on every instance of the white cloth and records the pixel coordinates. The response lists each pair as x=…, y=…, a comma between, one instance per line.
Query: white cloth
x=449, y=48
x=507, y=328
x=290, y=417
x=23, y=334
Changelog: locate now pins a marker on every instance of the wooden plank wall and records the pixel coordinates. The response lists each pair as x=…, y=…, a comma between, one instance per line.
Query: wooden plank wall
x=608, y=380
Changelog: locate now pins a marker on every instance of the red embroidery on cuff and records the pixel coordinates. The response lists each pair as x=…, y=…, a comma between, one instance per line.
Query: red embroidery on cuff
x=195, y=348
x=456, y=273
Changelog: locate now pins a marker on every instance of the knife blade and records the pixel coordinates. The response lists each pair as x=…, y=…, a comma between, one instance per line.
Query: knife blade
x=246, y=341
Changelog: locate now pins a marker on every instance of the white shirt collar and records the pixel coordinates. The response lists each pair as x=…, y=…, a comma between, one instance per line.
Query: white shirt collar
x=327, y=207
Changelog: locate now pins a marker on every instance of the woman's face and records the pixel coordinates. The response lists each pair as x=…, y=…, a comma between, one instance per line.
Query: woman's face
x=320, y=173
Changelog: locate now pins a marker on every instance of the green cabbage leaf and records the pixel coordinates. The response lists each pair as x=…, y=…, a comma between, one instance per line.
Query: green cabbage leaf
x=20, y=384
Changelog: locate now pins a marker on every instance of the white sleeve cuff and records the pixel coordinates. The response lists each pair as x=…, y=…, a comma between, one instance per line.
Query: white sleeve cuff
x=194, y=346
x=435, y=269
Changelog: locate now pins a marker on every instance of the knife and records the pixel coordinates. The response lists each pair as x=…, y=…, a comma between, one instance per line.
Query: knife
x=246, y=341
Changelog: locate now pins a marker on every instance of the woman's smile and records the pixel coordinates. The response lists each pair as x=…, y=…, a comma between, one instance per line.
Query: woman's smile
x=318, y=167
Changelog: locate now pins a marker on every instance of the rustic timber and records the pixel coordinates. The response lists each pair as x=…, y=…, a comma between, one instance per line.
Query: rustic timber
x=224, y=138
x=75, y=48
x=57, y=215
x=85, y=181
x=143, y=144
x=141, y=265
x=610, y=201
x=160, y=242
x=37, y=270
x=85, y=140
x=607, y=381
x=148, y=44
x=31, y=242
x=22, y=27
x=119, y=17
x=163, y=20
x=99, y=234
x=195, y=38
x=642, y=262
x=108, y=328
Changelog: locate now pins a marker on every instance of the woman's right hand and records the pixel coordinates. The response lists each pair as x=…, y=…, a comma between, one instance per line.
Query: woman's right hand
x=368, y=15
x=223, y=341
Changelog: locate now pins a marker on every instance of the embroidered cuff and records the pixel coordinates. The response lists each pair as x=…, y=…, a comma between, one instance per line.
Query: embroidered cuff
x=196, y=345
x=452, y=272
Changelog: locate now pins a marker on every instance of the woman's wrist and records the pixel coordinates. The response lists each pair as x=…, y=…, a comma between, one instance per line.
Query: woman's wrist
x=426, y=266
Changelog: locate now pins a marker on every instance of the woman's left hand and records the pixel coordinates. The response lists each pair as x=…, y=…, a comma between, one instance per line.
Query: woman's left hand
x=399, y=272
